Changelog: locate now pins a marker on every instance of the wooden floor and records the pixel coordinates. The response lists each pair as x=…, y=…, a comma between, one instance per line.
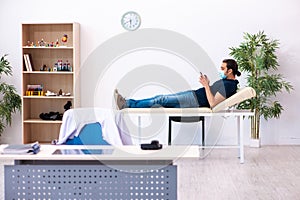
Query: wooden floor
x=269, y=172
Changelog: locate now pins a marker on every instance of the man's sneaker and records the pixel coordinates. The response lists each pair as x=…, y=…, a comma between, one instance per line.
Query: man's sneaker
x=120, y=101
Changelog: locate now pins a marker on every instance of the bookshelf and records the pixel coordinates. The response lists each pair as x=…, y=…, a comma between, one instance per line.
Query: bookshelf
x=49, y=64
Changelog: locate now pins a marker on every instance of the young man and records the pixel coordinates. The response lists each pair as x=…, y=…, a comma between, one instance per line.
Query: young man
x=206, y=96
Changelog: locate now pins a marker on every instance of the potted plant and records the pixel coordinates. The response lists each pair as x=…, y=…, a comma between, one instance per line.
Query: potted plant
x=256, y=56
x=10, y=101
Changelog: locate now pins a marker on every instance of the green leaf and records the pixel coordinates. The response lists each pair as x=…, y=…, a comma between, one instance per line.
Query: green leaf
x=10, y=101
x=256, y=57
x=5, y=66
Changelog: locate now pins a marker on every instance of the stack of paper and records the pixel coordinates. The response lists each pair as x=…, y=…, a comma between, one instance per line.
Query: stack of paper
x=32, y=148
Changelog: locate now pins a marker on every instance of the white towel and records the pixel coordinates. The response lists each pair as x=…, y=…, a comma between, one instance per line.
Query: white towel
x=75, y=119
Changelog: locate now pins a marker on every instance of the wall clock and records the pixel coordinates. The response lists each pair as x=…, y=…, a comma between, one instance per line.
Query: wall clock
x=131, y=21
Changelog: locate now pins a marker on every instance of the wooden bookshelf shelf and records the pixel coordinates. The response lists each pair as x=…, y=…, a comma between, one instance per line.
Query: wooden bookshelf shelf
x=52, y=78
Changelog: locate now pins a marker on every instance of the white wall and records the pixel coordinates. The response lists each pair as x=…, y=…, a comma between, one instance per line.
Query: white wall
x=215, y=25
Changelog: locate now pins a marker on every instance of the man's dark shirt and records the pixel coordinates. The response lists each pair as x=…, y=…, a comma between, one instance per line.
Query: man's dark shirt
x=226, y=87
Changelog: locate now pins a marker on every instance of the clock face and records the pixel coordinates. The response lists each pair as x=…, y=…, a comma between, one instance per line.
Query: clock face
x=131, y=21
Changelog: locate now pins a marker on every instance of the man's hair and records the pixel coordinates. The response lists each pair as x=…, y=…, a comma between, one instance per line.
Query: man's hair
x=232, y=64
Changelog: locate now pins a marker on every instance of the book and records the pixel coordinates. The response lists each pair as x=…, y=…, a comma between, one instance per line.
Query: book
x=32, y=148
x=26, y=62
x=29, y=62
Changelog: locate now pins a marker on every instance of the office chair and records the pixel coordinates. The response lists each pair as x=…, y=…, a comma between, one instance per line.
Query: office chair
x=90, y=134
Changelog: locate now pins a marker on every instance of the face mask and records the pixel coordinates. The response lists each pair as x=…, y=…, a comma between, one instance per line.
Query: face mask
x=222, y=74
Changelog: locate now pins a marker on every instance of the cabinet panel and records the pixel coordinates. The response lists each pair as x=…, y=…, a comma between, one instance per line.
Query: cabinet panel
x=42, y=132
x=36, y=106
x=48, y=32
x=50, y=81
x=40, y=57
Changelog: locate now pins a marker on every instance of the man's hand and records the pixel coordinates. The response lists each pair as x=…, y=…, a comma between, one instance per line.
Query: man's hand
x=204, y=80
x=212, y=99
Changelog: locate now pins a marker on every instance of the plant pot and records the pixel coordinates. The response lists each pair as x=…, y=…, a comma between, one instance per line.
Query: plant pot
x=255, y=143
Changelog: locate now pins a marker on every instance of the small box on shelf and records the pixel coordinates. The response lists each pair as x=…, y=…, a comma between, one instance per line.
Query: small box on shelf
x=34, y=90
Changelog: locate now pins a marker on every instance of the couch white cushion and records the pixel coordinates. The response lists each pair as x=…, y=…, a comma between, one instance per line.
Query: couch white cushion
x=166, y=110
x=240, y=96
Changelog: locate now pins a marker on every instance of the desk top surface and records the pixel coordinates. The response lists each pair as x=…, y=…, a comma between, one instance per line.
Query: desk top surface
x=116, y=153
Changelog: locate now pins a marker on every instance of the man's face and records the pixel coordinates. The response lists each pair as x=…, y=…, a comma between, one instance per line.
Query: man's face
x=224, y=69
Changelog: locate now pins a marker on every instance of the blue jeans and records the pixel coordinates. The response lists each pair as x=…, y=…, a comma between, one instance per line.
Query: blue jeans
x=186, y=99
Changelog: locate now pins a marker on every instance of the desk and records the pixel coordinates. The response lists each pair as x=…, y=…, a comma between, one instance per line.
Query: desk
x=127, y=173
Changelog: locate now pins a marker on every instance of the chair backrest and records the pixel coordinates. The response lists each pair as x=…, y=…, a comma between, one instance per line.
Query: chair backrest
x=90, y=134
x=241, y=95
